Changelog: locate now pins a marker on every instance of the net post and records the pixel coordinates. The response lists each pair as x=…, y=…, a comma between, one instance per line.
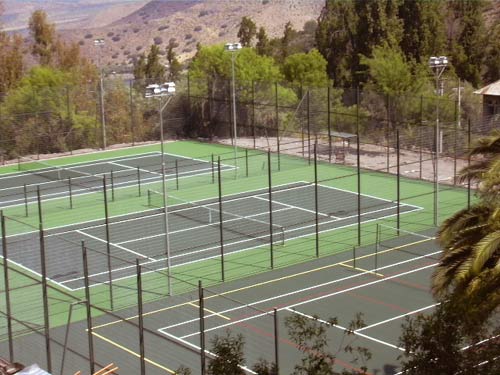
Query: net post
x=149, y=198
x=88, y=306
x=140, y=315
x=221, y=221
x=329, y=122
x=377, y=244
x=270, y=192
x=139, y=181
x=108, y=241
x=316, y=199
x=213, y=169
x=398, y=181
x=25, y=192
x=276, y=340
x=354, y=257
x=201, y=305
x=176, y=174
x=70, y=191
x=308, y=122
x=112, y=178
x=246, y=162
x=5, y=254
x=45, y=296
x=468, y=163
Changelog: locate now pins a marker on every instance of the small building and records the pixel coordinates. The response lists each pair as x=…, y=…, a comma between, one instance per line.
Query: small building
x=491, y=99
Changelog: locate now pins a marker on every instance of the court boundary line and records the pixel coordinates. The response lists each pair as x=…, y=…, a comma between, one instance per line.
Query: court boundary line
x=266, y=282
x=313, y=287
x=197, y=251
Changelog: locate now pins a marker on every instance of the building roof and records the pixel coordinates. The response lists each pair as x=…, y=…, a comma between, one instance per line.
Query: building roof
x=492, y=89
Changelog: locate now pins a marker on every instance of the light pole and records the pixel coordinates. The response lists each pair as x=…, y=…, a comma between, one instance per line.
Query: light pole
x=233, y=48
x=438, y=66
x=99, y=43
x=165, y=90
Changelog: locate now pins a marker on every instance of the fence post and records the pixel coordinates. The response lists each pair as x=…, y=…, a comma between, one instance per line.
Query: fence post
x=270, y=192
x=88, y=306
x=45, y=295
x=308, y=126
x=316, y=203
x=387, y=131
x=358, y=164
x=139, y=180
x=5, y=254
x=108, y=241
x=25, y=191
x=221, y=221
x=140, y=314
x=132, y=127
x=329, y=109
x=253, y=114
x=201, y=305
x=398, y=180
x=468, y=162
x=276, y=341
x=277, y=125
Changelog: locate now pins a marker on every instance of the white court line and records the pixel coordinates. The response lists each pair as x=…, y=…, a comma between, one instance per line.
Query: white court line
x=317, y=286
x=231, y=253
x=297, y=207
x=398, y=317
x=345, y=329
x=198, y=227
x=114, y=245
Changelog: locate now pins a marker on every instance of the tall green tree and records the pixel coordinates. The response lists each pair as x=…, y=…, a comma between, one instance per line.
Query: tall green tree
x=262, y=46
x=43, y=34
x=174, y=66
x=247, y=31
x=492, y=55
x=307, y=69
x=468, y=47
x=149, y=69
x=335, y=39
x=378, y=23
x=423, y=29
x=288, y=34
x=11, y=61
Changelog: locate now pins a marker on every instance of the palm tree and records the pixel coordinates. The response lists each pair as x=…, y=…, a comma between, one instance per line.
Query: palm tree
x=470, y=238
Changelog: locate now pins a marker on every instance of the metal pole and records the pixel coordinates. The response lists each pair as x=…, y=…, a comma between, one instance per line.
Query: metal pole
x=316, y=203
x=165, y=203
x=5, y=255
x=468, y=162
x=221, y=220
x=358, y=163
x=277, y=124
x=246, y=162
x=270, y=192
x=398, y=181
x=213, y=169
x=387, y=132
x=139, y=180
x=276, y=340
x=45, y=296
x=112, y=178
x=132, y=125
x=25, y=190
x=142, y=351
x=308, y=127
x=176, y=174
x=420, y=135
x=235, y=135
x=108, y=241
x=88, y=308
x=328, y=94
x=101, y=98
x=253, y=113
x=202, y=327
x=70, y=190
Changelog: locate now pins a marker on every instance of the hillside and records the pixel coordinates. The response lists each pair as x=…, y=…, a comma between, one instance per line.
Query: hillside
x=190, y=22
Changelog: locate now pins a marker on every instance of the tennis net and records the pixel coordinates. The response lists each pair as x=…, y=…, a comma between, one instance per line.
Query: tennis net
x=247, y=226
x=56, y=173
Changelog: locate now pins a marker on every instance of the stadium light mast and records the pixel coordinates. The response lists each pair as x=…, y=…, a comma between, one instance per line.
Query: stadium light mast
x=160, y=92
x=99, y=43
x=438, y=66
x=233, y=48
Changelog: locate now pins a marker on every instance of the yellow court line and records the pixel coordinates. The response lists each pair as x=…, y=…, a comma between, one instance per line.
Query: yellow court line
x=161, y=367
x=210, y=311
x=265, y=282
x=361, y=269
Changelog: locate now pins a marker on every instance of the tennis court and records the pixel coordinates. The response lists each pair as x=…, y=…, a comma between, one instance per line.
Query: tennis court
x=386, y=286
x=87, y=177
x=194, y=231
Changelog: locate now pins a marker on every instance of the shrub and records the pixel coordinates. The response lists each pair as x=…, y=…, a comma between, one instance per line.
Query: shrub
x=264, y=2
x=110, y=34
x=164, y=27
x=81, y=42
x=138, y=48
x=158, y=40
x=88, y=36
x=126, y=53
x=222, y=33
x=136, y=30
x=188, y=36
x=187, y=50
x=197, y=28
x=116, y=38
x=223, y=26
x=203, y=13
x=115, y=56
